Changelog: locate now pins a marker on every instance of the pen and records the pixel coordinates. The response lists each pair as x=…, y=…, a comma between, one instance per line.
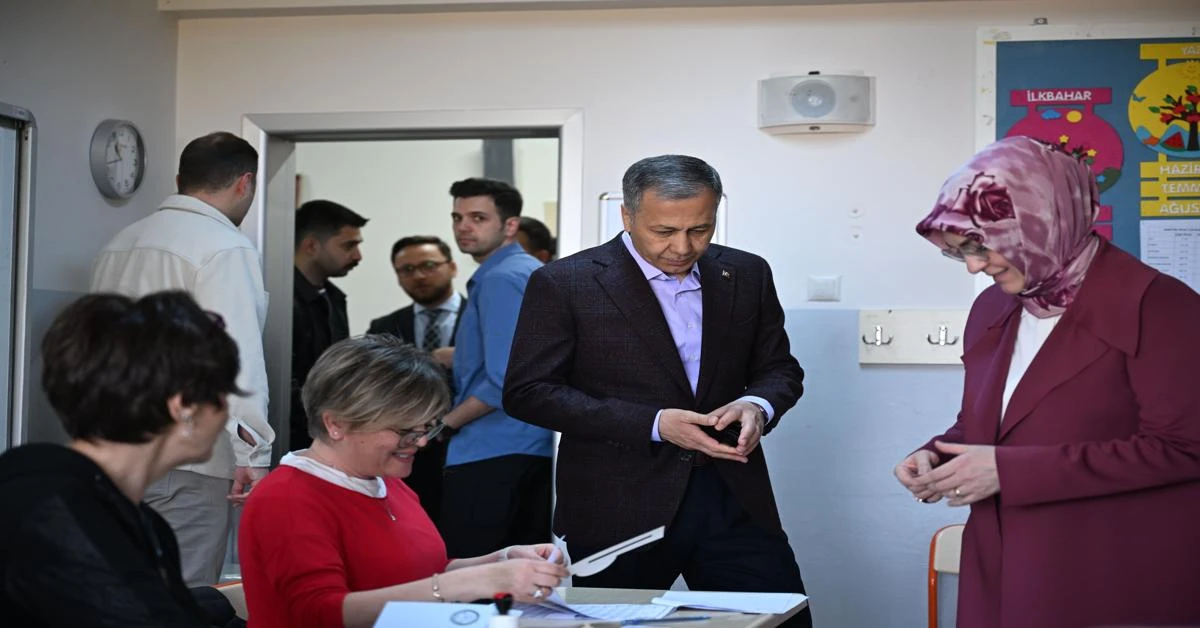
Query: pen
x=664, y=620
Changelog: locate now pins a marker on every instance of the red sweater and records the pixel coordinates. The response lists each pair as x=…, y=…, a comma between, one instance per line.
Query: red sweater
x=305, y=543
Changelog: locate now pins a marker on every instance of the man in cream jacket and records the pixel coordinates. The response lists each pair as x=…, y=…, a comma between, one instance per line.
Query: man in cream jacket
x=193, y=243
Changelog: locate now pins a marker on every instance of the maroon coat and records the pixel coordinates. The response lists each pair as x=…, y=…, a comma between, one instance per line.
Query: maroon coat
x=1098, y=517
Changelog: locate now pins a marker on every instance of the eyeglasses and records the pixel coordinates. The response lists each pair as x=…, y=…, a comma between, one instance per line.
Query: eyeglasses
x=970, y=248
x=408, y=270
x=428, y=432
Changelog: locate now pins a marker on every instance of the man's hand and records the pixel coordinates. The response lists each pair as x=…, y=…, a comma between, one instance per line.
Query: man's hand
x=244, y=479
x=444, y=356
x=244, y=434
x=751, y=417
x=682, y=428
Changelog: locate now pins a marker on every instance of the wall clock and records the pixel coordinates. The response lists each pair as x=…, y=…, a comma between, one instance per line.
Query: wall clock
x=118, y=158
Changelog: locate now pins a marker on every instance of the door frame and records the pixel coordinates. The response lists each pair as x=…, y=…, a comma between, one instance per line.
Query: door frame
x=274, y=135
x=21, y=352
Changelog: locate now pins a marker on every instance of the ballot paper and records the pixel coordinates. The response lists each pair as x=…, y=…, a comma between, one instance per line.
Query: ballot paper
x=601, y=560
x=556, y=607
x=436, y=615
x=760, y=603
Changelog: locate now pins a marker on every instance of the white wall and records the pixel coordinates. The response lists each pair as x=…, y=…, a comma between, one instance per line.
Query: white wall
x=680, y=80
x=403, y=188
x=74, y=63
x=535, y=173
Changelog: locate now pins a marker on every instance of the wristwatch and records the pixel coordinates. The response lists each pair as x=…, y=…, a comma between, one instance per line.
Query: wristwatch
x=762, y=413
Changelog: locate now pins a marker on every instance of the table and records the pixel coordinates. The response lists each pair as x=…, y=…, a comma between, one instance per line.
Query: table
x=583, y=595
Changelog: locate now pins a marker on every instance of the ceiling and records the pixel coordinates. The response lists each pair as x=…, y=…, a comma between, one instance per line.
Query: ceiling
x=255, y=8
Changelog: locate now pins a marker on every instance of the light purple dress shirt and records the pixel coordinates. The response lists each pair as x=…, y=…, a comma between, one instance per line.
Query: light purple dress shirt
x=682, y=304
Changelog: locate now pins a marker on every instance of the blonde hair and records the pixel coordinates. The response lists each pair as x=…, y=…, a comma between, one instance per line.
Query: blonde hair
x=374, y=382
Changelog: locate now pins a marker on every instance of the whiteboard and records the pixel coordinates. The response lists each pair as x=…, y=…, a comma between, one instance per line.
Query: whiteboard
x=611, y=224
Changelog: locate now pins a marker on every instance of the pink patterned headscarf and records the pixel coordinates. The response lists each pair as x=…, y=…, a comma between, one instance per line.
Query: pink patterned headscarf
x=1032, y=203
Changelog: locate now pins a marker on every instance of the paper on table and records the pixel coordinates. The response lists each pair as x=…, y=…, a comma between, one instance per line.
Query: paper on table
x=762, y=603
x=434, y=615
x=555, y=607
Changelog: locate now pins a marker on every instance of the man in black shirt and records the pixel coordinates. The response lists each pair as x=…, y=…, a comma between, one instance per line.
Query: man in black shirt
x=327, y=239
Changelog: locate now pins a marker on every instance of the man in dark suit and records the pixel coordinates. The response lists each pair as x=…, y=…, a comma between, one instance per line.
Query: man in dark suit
x=640, y=351
x=328, y=236
x=426, y=271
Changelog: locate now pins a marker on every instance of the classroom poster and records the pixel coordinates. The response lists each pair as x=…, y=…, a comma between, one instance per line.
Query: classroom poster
x=1130, y=109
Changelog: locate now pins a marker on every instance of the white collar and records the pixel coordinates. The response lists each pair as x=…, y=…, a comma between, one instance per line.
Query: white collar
x=184, y=202
x=451, y=305
x=373, y=487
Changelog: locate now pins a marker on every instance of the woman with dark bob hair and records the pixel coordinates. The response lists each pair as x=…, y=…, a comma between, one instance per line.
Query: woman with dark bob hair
x=139, y=387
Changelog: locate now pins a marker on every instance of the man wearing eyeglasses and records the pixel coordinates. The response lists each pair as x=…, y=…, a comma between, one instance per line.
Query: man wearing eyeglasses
x=426, y=271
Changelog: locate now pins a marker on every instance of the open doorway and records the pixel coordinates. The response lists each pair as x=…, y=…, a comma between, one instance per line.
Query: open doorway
x=402, y=187
x=270, y=221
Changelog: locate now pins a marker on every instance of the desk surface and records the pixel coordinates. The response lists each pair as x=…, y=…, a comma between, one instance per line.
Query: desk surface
x=582, y=595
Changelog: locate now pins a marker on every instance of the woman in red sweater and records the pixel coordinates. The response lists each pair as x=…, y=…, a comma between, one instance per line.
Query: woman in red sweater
x=333, y=534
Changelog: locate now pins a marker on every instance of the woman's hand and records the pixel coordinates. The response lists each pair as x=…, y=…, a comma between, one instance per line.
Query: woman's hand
x=541, y=551
x=911, y=470
x=528, y=581
x=970, y=477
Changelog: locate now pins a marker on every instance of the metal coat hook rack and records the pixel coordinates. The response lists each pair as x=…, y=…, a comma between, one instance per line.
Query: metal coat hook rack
x=943, y=333
x=878, y=341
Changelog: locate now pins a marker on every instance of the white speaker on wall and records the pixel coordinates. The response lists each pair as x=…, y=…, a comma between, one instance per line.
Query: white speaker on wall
x=816, y=103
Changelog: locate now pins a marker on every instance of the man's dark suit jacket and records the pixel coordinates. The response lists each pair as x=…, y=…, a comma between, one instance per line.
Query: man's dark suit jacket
x=593, y=358
x=426, y=477
x=402, y=323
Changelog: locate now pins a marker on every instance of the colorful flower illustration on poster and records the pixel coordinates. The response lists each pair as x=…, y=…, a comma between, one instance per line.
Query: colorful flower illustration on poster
x=1066, y=116
x=1164, y=109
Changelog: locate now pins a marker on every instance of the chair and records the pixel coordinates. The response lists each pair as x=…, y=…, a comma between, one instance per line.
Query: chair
x=944, y=551
x=236, y=595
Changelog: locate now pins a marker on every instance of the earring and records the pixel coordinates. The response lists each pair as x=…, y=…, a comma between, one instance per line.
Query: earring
x=335, y=434
x=186, y=418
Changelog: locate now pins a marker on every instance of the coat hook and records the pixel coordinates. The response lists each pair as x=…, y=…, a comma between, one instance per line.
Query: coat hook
x=878, y=341
x=943, y=332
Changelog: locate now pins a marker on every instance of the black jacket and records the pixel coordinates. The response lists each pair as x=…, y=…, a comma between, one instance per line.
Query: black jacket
x=318, y=321
x=402, y=324
x=74, y=551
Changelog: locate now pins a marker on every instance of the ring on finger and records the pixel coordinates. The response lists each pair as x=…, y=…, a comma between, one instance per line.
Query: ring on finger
x=537, y=595
x=958, y=492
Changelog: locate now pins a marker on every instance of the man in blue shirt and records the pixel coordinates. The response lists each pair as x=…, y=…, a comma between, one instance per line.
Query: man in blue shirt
x=497, y=489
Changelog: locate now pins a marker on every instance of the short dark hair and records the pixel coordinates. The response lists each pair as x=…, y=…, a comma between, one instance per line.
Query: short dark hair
x=213, y=162
x=539, y=235
x=111, y=363
x=404, y=243
x=673, y=177
x=507, y=199
x=323, y=219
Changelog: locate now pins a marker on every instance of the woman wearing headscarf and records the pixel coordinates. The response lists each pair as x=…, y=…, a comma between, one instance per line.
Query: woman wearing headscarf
x=333, y=534
x=1077, y=445
x=140, y=387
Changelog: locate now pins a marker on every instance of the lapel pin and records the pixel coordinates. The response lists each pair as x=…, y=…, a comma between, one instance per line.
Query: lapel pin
x=725, y=274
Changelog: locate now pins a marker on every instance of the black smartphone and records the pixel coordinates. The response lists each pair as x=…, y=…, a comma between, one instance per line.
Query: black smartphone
x=728, y=436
